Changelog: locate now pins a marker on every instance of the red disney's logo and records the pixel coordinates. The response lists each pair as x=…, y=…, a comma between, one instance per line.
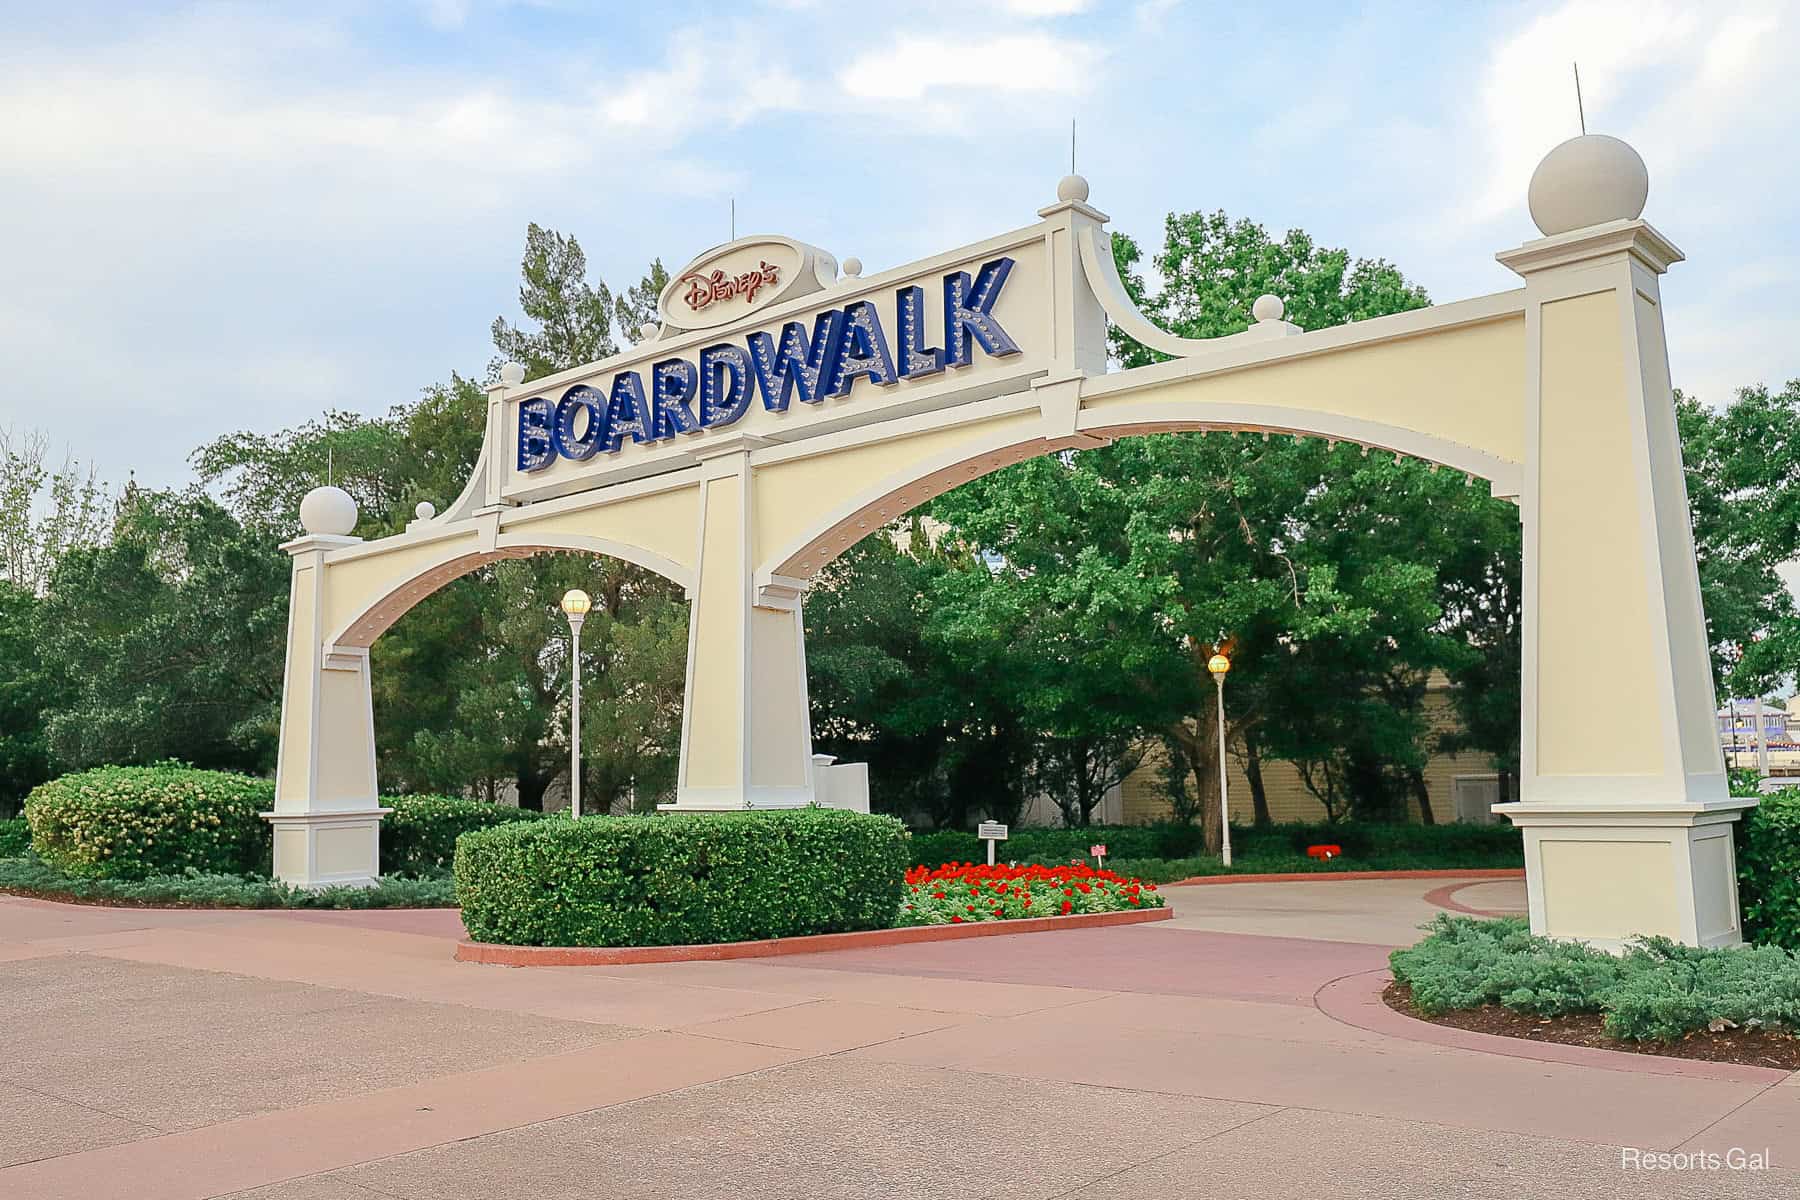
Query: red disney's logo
x=703, y=290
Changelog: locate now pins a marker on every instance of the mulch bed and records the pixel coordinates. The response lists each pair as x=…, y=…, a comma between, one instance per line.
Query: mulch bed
x=1751, y=1048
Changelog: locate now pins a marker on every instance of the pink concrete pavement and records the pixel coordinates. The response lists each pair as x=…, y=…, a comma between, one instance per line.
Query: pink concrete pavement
x=323, y=1056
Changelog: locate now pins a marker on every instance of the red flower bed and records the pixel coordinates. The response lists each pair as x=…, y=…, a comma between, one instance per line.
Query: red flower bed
x=958, y=892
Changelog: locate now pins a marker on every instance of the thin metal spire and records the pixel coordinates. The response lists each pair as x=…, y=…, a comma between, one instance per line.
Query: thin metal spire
x=1071, y=145
x=328, y=466
x=1579, y=111
x=733, y=236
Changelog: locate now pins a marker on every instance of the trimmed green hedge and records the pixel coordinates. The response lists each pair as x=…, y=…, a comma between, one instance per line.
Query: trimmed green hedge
x=677, y=879
x=15, y=837
x=1655, y=991
x=1272, y=847
x=1768, y=856
x=134, y=822
x=419, y=836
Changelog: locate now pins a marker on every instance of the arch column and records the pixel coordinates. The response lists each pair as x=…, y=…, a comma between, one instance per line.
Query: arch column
x=1623, y=799
x=746, y=731
x=327, y=817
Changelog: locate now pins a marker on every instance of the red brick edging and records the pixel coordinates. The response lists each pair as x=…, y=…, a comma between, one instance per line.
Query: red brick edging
x=1311, y=876
x=1356, y=1000
x=616, y=956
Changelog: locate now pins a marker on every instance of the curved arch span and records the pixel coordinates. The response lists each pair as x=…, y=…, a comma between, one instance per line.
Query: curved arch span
x=375, y=618
x=849, y=522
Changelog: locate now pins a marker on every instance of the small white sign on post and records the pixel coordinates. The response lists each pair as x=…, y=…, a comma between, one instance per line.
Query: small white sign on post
x=992, y=831
x=1098, y=850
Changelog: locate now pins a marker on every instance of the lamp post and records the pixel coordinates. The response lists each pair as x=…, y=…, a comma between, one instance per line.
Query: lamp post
x=1220, y=666
x=575, y=605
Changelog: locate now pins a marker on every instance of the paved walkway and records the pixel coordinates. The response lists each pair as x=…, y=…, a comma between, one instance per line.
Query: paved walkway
x=157, y=1055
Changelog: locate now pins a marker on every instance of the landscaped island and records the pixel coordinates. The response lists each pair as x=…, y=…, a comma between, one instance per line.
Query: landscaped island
x=1734, y=1004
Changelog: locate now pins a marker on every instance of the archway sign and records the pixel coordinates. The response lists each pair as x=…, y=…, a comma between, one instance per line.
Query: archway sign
x=783, y=409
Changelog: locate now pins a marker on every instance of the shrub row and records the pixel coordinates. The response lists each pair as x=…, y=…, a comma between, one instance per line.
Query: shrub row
x=419, y=836
x=1656, y=991
x=1366, y=845
x=134, y=822
x=15, y=837
x=680, y=878
x=1768, y=856
x=31, y=876
x=139, y=822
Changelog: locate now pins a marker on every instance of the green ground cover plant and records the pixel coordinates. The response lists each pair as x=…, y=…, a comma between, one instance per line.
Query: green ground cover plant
x=1657, y=990
x=677, y=879
x=31, y=876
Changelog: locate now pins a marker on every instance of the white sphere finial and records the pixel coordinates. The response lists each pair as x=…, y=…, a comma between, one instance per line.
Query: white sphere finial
x=852, y=267
x=648, y=330
x=1268, y=308
x=1588, y=180
x=1072, y=188
x=328, y=510
x=512, y=374
x=425, y=511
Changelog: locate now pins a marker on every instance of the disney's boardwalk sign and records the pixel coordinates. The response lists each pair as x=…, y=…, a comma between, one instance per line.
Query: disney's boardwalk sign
x=714, y=388
x=766, y=337
x=781, y=410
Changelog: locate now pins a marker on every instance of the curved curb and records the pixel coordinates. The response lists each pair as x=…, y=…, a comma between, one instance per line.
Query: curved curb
x=616, y=956
x=1470, y=873
x=1355, y=1000
x=1445, y=898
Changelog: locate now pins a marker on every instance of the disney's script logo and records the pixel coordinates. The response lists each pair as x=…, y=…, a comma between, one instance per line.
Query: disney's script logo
x=703, y=290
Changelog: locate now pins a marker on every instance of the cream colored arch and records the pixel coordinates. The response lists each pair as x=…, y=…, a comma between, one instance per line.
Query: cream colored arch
x=833, y=532
x=407, y=583
x=1556, y=393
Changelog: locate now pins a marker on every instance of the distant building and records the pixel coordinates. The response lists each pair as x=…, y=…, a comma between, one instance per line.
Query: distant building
x=1779, y=728
x=1461, y=787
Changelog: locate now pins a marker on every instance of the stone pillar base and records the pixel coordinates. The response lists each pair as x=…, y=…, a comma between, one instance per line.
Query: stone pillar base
x=328, y=849
x=1604, y=875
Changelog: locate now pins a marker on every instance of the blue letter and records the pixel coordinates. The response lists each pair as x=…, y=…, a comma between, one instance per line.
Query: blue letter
x=718, y=363
x=671, y=387
x=577, y=399
x=916, y=358
x=863, y=350
x=970, y=310
x=624, y=412
x=797, y=361
x=535, y=450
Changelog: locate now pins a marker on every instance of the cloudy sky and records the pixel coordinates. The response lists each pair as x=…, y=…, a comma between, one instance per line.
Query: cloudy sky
x=218, y=217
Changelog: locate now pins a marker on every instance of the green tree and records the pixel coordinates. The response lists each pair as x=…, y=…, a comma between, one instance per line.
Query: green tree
x=27, y=692
x=574, y=317
x=636, y=305
x=169, y=639
x=44, y=513
x=1122, y=567
x=1743, y=484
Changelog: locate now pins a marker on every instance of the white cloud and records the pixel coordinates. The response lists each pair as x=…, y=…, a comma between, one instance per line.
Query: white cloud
x=1672, y=76
x=1045, y=8
x=689, y=91
x=911, y=67
x=1150, y=15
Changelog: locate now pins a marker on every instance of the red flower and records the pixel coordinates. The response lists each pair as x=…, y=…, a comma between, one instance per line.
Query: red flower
x=1067, y=905
x=971, y=908
x=937, y=895
x=956, y=920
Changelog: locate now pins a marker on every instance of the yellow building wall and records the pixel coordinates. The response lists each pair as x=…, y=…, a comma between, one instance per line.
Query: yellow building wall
x=1145, y=799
